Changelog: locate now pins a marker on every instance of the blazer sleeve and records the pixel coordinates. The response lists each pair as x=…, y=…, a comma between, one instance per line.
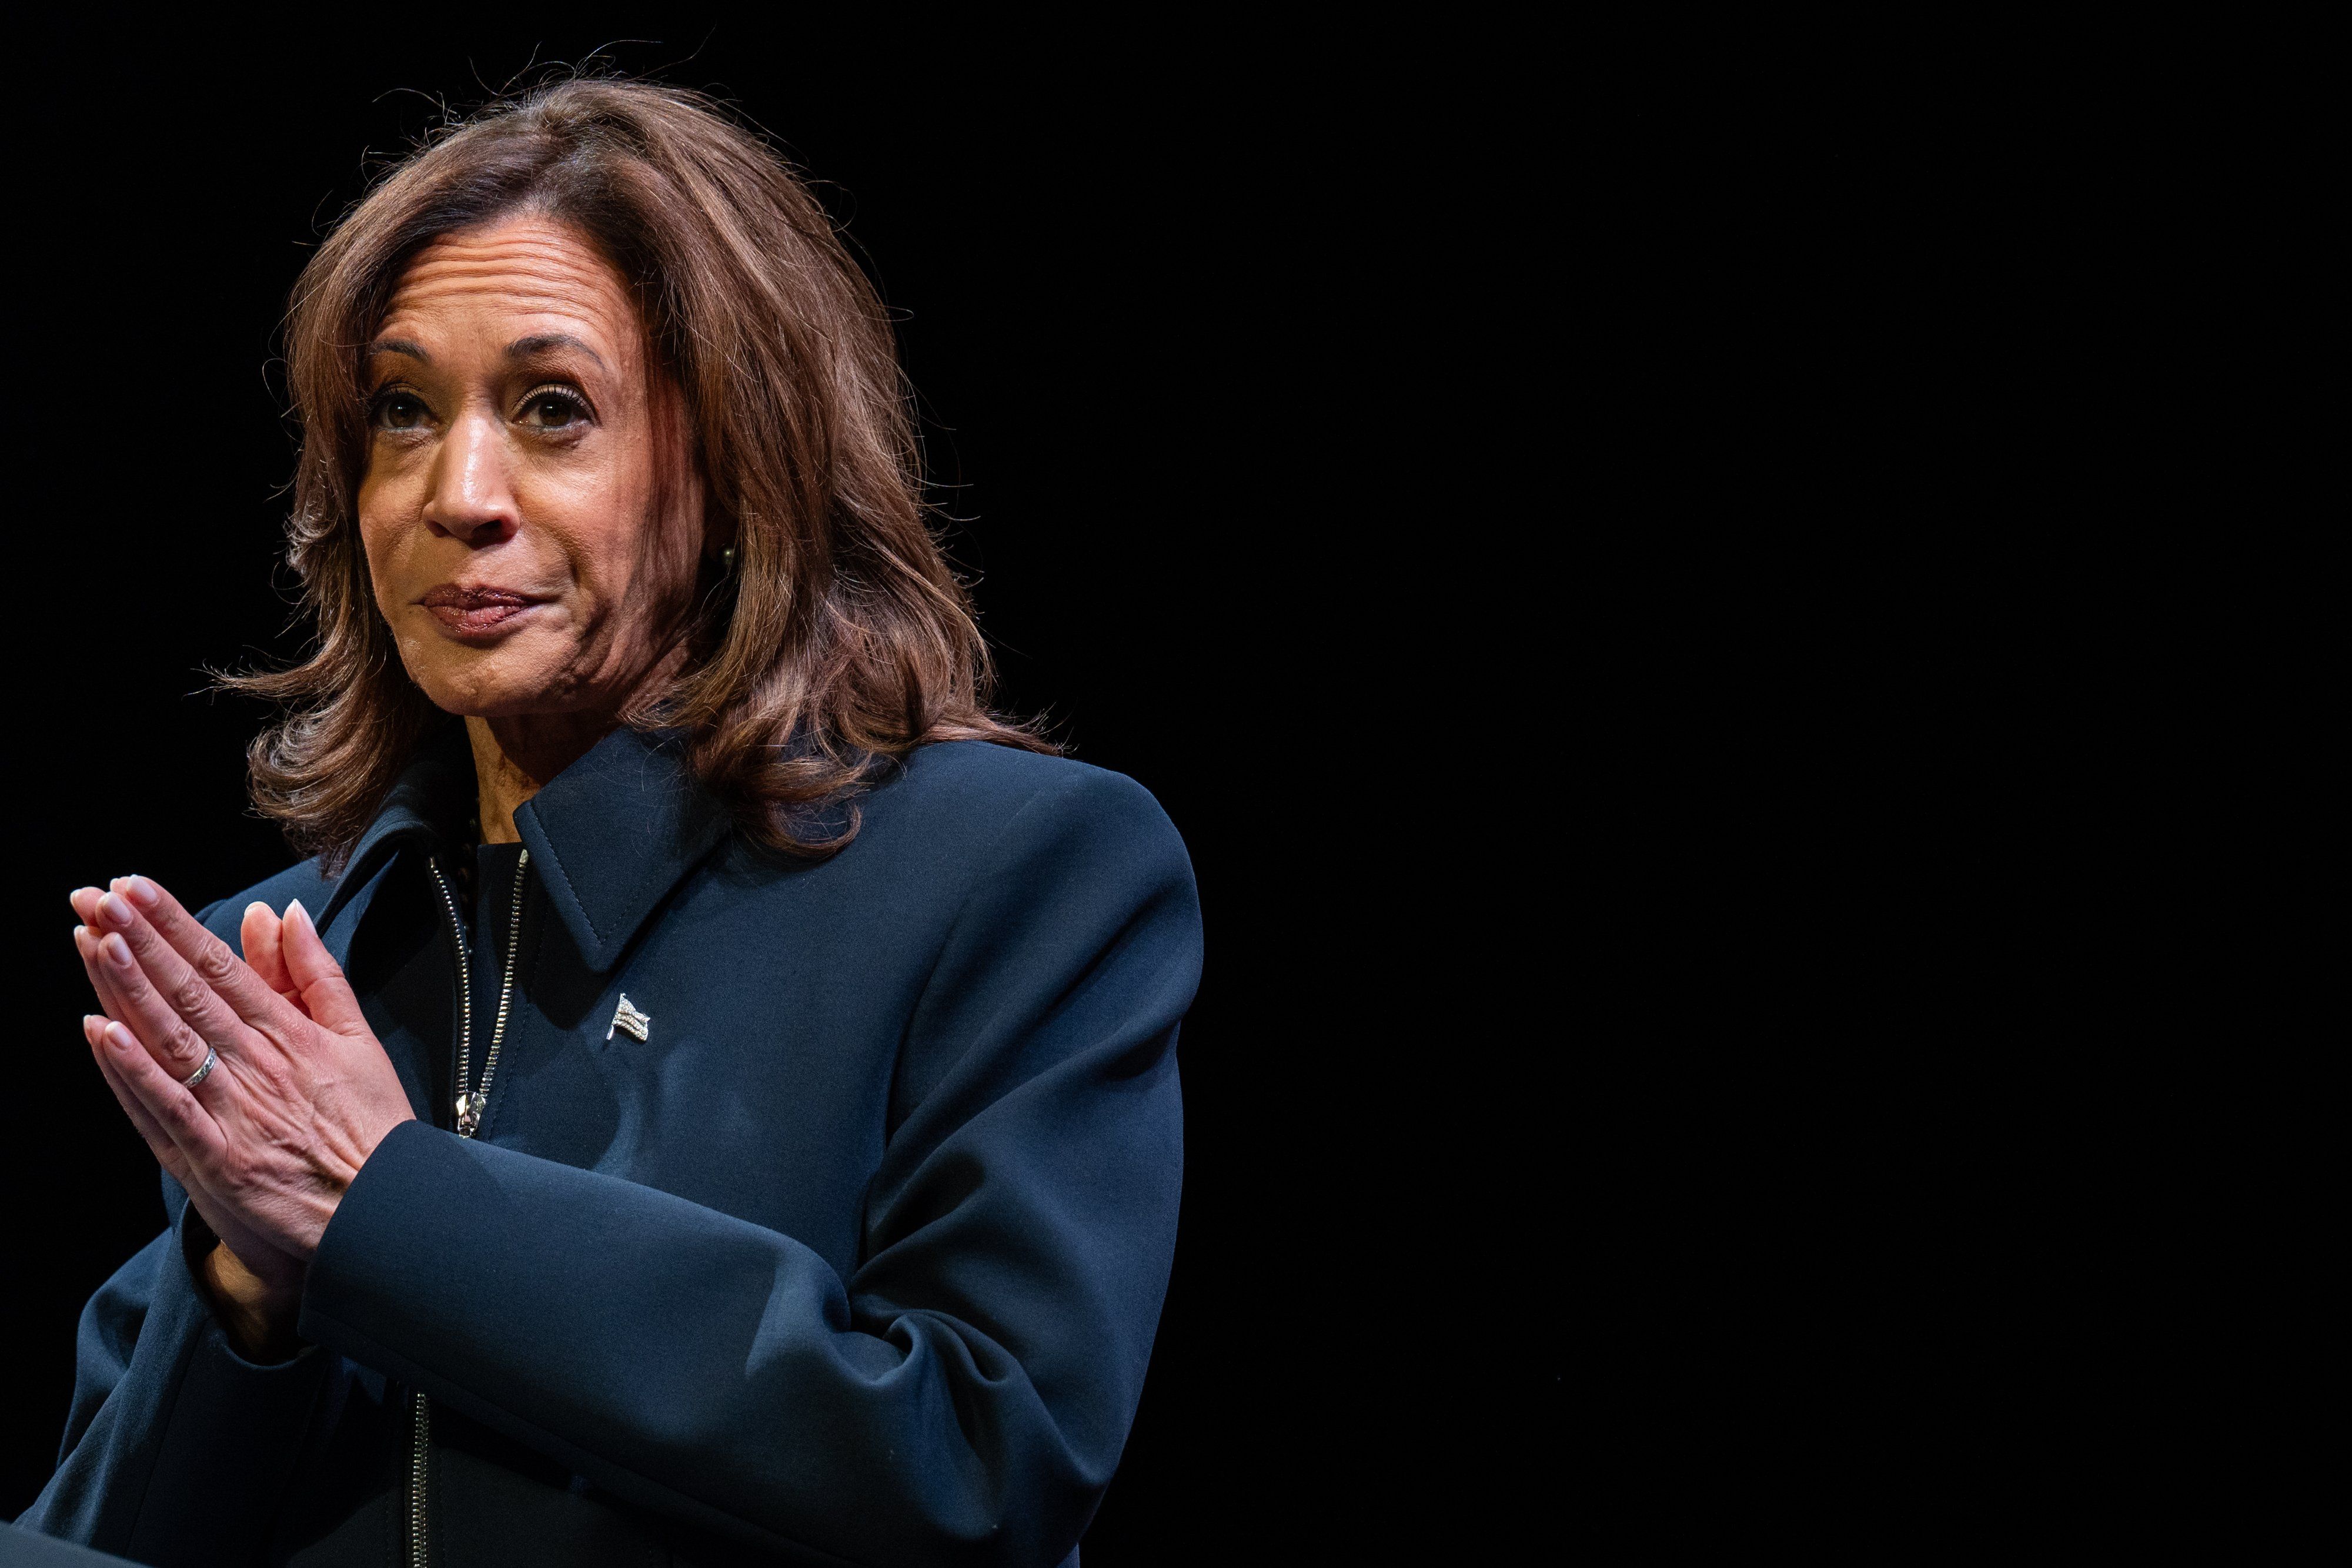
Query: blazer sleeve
x=177, y=1449
x=964, y=1397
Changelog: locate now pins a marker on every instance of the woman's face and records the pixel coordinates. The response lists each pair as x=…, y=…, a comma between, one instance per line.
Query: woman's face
x=531, y=516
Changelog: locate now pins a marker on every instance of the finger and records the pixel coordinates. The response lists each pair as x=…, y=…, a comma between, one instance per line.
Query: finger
x=258, y=933
x=167, y=1154
x=86, y=936
x=195, y=991
x=101, y=978
x=227, y=976
x=102, y=975
x=177, y=1112
x=326, y=995
x=151, y=1019
x=251, y=1249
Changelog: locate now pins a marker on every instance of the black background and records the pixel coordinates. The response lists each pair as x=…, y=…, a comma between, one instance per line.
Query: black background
x=1181, y=314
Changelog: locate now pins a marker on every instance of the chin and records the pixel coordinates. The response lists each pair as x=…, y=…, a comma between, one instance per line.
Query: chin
x=492, y=684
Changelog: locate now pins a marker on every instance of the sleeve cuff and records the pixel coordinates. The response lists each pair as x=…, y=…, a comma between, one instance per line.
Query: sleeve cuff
x=196, y=1243
x=229, y=1430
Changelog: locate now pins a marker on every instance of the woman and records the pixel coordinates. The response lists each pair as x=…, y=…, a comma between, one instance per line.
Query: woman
x=711, y=1095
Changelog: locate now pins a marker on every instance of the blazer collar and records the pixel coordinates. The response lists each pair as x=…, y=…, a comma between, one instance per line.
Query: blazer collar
x=610, y=835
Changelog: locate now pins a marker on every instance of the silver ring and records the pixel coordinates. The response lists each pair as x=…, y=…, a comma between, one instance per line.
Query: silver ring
x=212, y=1060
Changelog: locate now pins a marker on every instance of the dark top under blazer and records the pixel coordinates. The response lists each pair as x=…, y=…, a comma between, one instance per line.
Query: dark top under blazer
x=858, y=1258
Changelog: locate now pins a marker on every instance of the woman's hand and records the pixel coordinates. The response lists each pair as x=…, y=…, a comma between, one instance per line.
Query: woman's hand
x=302, y=1094
x=266, y=1278
x=255, y=1289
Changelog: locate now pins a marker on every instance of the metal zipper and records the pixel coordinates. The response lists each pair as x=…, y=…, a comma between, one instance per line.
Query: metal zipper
x=470, y=1106
x=419, y=1454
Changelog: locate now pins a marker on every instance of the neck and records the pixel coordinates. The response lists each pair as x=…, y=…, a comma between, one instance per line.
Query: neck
x=514, y=756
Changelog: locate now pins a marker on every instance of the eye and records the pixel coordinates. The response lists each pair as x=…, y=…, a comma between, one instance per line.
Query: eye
x=553, y=408
x=397, y=409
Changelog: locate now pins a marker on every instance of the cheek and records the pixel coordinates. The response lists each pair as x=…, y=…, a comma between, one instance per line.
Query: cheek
x=379, y=544
x=606, y=534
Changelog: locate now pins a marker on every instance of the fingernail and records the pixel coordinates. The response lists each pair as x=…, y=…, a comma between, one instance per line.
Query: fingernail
x=80, y=932
x=115, y=908
x=142, y=892
x=121, y=1039
x=294, y=911
x=117, y=951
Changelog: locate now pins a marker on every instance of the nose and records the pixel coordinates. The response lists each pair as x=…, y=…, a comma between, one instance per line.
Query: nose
x=472, y=499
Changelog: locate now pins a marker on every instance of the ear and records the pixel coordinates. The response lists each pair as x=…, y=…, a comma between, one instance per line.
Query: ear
x=722, y=538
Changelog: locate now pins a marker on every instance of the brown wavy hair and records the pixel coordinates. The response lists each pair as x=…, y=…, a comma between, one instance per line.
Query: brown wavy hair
x=842, y=640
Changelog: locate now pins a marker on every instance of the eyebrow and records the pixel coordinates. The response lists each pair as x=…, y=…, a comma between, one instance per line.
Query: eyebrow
x=521, y=349
x=524, y=347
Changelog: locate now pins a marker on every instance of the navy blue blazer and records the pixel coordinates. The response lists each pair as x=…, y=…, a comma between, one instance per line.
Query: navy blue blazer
x=856, y=1257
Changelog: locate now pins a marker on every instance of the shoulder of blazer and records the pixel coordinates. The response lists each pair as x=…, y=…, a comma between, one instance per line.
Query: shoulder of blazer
x=957, y=807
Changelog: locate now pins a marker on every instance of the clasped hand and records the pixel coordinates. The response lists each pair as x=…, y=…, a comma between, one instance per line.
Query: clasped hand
x=266, y=1144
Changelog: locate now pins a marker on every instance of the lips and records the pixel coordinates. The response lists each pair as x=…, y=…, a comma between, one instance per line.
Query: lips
x=477, y=612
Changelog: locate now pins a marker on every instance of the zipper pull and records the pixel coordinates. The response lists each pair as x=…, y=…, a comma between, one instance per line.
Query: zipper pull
x=469, y=1112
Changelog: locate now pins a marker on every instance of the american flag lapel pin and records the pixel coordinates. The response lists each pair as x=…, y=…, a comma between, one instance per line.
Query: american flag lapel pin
x=628, y=1018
